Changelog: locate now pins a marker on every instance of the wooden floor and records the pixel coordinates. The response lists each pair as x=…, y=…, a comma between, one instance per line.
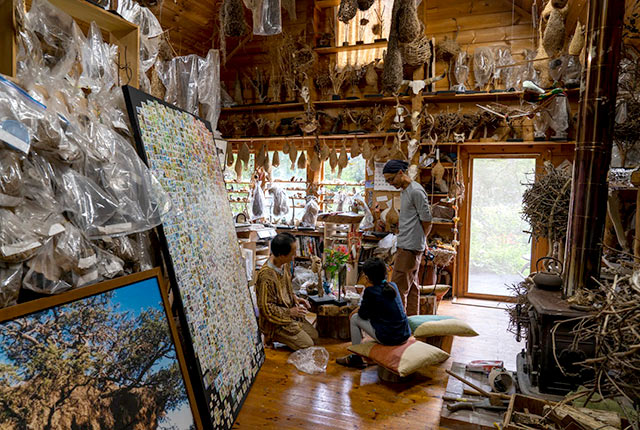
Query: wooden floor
x=284, y=398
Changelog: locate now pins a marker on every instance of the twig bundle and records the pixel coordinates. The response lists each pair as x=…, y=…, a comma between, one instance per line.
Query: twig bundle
x=545, y=203
x=519, y=311
x=613, y=327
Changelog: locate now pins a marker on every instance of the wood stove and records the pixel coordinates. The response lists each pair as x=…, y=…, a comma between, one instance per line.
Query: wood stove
x=537, y=364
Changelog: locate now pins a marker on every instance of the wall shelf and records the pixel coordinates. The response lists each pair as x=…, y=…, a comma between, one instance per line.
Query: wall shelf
x=336, y=49
x=311, y=137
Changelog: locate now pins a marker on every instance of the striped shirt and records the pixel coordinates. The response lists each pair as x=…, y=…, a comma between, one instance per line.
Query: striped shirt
x=275, y=298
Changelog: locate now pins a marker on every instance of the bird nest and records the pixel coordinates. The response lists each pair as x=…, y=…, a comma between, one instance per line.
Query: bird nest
x=417, y=52
x=545, y=203
x=442, y=257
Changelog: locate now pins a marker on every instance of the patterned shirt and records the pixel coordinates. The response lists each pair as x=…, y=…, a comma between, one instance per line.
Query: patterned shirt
x=275, y=298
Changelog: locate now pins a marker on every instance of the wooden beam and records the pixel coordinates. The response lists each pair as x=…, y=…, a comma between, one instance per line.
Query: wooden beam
x=521, y=11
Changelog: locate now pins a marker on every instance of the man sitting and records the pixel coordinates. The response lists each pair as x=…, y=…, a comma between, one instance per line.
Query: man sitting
x=281, y=312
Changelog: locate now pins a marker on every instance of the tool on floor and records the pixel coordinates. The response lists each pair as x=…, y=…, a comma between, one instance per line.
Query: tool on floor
x=472, y=406
x=485, y=366
x=494, y=398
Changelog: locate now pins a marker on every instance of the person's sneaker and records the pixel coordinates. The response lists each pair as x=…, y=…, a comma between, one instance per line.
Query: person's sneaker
x=351, y=360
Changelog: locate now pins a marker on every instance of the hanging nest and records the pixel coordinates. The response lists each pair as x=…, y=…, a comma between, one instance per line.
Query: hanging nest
x=367, y=150
x=302, y=161
x=545, y=203
x=293, y=154
x=408, y=26
x=447, y=49
x=355, y=148
x=365, y=5
x=233, y=20
x=554, y=33
x=244, y=154
x=417, y=52
x=343, y=160
x=442, y=257
x=392, y=73
x=333, y=159
x=347, y=10
x=325, y=152
x=577, y=41
x=275, y=161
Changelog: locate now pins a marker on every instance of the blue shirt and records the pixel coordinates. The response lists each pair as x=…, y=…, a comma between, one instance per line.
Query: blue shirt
x=387, y=316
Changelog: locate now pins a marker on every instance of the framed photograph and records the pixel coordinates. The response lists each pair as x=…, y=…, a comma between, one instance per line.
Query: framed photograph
x=105, y=355
x=204, y=261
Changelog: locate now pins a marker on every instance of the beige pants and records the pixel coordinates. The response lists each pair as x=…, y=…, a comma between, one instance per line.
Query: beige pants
x=305, y=338
x=405, y=276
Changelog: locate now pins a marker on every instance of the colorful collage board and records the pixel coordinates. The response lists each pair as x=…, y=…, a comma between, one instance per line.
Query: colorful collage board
x=201, y=241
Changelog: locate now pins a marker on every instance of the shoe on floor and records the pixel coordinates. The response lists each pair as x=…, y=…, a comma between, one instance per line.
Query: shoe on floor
x=351, y=360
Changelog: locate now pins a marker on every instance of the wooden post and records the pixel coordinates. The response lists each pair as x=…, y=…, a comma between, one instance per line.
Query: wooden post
x=593, y=148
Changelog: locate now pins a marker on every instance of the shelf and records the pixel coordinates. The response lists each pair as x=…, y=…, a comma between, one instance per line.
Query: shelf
x=445, y=165
x=311, y=137
x=520, y=143
x=300, y=232
x=367, y=101
x=362, y=46
x=264, y=106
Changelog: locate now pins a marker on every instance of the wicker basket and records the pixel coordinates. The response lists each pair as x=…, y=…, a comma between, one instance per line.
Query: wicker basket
x=442, y=257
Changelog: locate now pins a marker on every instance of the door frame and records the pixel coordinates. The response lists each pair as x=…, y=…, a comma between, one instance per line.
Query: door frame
x=541, y=151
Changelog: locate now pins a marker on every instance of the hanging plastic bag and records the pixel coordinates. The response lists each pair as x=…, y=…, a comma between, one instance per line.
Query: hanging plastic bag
x=209, y=86
x=258, y=202
x=267, y=17
x=367, y=221
x=10, y=281
x=311, y=360
x=461, y=71
x=57, y=33
x=559, y=116
x=99, y=69
x=311, y=209
x=180, y=78
x=280, y=206
x=483, y=66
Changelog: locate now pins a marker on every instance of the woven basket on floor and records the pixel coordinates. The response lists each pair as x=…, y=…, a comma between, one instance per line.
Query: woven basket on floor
x=417, y=52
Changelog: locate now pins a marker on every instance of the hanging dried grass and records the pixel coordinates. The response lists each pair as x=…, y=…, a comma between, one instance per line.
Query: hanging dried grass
x=392, y=73
x=229, y=154
x=347, y=10
x=233, y=19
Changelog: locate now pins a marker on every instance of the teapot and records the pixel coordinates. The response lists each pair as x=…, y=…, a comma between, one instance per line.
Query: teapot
x=550, y=278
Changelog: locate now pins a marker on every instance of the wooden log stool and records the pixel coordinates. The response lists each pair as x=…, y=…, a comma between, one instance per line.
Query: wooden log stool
x=333, y=321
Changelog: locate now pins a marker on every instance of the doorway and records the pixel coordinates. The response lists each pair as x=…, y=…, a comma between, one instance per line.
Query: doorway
x=499, y=248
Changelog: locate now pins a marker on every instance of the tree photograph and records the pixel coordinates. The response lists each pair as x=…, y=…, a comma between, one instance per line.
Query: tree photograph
x=103, y=362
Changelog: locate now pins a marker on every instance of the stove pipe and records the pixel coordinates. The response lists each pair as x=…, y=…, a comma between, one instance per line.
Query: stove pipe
x=596, y=115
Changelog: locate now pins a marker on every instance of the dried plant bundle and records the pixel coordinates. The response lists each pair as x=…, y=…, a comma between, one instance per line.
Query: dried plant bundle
x=233, y=19
x=347, y=10
x=365, y=5
x=392, y=73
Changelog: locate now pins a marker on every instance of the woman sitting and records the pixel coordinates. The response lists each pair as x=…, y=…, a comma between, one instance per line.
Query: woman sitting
x=381, y=314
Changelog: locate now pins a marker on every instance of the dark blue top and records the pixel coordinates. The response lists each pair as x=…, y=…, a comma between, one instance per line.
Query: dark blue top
x=387, y=316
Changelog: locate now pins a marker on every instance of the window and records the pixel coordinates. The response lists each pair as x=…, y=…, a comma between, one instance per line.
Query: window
x=351, y=182
x=239, y=192
x=353, y=32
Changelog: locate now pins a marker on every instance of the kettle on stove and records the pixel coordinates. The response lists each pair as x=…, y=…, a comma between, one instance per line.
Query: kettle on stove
x=550, y=278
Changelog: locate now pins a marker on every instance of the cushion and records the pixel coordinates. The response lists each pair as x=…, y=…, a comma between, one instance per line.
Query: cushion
x=402, y=359
x=439, y=325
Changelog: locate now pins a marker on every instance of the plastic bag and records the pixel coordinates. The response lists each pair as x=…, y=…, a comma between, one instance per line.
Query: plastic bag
x=10, y=281
x=144, y=259
x=58, y=35
x=483, y=66
x=45, y=219
x=368, y=221
x=461, y=71
x=303, y=277
x=44, y=274
x=180, y=78
x=280, y=207
x=311, y=209
x=267, y=17
x=89, y=205
x=502, y=73
x=559, y=116
x=258, y=202
x=18, y=241
x=39, y=180
x=99, y=69
x=209, y=86
x=141, y=16
x=11, y=182
x=540, y=125
x=389, y=242
x=311, y=360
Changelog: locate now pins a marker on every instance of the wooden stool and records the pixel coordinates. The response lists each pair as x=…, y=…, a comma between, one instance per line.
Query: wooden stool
x=333, y=321
x=428, y=305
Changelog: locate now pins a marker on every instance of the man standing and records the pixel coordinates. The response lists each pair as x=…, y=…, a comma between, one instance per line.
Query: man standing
x=414, y=227
x=281, y=312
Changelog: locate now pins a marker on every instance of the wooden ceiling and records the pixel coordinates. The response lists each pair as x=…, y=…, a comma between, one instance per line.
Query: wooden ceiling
x=192, y=25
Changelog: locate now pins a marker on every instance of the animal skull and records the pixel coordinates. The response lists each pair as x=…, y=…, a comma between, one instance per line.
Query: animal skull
x=458, y=137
